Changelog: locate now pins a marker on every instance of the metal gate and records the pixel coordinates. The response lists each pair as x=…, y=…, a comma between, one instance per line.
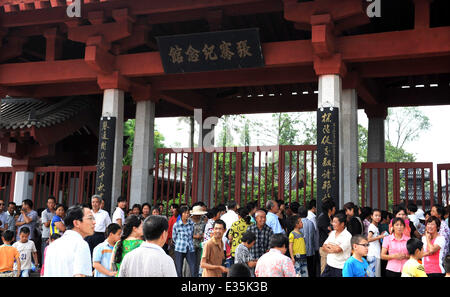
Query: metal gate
x=7, y=178
x=70, y=185
x=388, y=184
x=443, y=183
x=244, y=174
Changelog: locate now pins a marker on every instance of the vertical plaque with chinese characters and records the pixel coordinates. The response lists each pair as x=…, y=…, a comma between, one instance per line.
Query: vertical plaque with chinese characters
x=328, y=155
x=211, y=51
x=105, y=159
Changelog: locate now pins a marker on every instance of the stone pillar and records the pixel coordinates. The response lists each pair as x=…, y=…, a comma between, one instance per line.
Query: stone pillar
x=376, y=152
x=113, y=106
x=330, y=94
x=143, y=149
x=330, y=90
x=348, y=147
x=23, y=189
x=206, y=142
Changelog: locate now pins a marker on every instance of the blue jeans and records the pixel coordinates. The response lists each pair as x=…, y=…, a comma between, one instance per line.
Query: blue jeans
x=229, y=262
x=301, y=265
x=179, y=259
x=373, y=270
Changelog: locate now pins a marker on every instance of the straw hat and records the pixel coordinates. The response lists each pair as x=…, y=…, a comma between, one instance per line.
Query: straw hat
x=197, y=211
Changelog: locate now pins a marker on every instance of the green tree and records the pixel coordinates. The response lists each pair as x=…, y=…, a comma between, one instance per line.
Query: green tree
x=128, y=131
x=404, y=125
x=283, y=130
x=392, y=153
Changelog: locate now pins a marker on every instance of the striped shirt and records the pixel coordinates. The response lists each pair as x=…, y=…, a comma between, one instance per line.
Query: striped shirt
x=182, y=236
x=102, y=253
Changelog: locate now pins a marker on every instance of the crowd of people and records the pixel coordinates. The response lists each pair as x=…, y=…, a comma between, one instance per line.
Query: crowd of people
x=277, y=240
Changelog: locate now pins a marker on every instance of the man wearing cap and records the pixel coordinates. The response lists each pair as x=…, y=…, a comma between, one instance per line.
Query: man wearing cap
x=199, y=228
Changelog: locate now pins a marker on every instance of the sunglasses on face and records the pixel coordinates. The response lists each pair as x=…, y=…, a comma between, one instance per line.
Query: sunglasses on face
x=363, y=244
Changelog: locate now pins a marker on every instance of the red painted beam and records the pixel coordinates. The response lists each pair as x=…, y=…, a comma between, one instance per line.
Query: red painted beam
x=395, y=45
x=236, y=78
x=16, y=74
x=55, y=90
x=422, y=13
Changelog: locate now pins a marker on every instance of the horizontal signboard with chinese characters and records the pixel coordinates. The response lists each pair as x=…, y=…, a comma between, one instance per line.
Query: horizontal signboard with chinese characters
x=328, y=155
x=211, y=51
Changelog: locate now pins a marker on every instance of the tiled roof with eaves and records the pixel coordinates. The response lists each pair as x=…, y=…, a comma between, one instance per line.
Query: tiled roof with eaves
x=19, y=113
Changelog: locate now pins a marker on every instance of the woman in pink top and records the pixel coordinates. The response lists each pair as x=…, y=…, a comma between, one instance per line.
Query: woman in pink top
x=433, y=245
x=394, y=249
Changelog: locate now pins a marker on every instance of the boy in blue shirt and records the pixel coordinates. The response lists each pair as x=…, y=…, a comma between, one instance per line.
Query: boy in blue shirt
x=101, y=255
x=356, y=265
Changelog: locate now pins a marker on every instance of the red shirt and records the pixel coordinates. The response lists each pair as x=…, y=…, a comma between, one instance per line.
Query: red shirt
x=172, y=221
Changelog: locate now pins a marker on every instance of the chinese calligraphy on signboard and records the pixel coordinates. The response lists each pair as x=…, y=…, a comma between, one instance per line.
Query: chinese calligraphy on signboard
x=328, y=154
x=211, y=51
x=105, y=159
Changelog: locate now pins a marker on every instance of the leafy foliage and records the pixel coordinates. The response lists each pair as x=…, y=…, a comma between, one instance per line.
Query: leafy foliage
x=128, y=132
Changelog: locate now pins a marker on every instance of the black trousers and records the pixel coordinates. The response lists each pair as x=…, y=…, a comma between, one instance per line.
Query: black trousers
x=331, y=272
x=393, y=274
x=311, y=263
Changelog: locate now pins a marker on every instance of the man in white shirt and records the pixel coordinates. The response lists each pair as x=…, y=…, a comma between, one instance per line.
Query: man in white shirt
x=69, y=255
x=338, y=246
x=149, y=259
x=231, y=215
x=229, y=218
x=118, y=216
x=102, y=220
